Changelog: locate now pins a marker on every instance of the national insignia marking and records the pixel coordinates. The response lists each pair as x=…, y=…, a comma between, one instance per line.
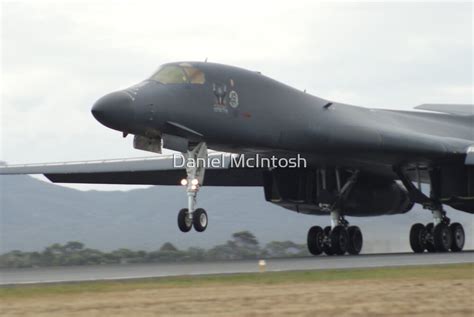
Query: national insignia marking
x=233, y=99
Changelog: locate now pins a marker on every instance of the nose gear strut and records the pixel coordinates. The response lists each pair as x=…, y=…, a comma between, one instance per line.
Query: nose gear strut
x=195, y=168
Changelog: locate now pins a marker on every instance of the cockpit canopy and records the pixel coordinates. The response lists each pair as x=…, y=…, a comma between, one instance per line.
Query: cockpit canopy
x=183, y=73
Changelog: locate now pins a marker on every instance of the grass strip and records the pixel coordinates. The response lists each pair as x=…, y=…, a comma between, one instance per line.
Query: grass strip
x=449, y=271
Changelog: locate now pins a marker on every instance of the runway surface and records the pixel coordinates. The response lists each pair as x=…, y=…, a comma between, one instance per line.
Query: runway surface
x=133, y=271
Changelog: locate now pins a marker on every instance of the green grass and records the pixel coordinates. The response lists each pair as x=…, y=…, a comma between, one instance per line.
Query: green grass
x=452, y=271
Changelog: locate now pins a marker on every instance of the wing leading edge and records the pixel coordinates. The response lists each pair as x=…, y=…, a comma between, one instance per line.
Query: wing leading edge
x=160, y=170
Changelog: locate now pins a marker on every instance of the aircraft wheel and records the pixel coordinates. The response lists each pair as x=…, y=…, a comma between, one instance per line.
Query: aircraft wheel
x=355, y=240
x=458, y=237
x=184, y=222
x=430, y=242
x=327, y=246
x=315, y=240
x=418, y=238
x=200, y=220
x=339, y=240
x=442, y=237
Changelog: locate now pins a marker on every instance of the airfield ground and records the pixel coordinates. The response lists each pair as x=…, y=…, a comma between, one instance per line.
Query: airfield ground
x=438, y=290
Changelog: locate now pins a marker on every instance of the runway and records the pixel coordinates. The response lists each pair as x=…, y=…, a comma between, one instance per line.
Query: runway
x=134, y=271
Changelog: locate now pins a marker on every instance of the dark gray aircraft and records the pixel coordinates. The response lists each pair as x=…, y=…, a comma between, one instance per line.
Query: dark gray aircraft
x=331, y=159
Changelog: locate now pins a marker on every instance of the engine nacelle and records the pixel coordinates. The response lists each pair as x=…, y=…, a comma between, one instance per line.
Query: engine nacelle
x=456, y=187
x=306, y=191
x=377, y=198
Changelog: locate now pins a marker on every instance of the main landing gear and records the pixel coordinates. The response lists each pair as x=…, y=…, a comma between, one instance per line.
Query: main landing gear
x=440, y=235
x=337, y=239
x=189, y=217
x=437, y=236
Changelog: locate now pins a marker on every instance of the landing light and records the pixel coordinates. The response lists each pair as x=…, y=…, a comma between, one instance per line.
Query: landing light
x=193, y=187
x=184, y=182
x=194, y=181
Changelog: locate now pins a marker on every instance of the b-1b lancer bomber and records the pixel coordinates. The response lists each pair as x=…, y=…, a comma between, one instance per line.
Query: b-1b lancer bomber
x=310, y=155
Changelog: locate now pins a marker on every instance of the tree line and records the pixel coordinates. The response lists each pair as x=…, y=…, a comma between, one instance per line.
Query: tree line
x=242, y=245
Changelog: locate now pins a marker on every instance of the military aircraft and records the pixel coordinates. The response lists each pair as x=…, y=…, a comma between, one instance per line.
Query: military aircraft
x=357, y=161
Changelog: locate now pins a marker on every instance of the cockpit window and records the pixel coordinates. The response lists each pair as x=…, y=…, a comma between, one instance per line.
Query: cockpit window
x=195, y=76
x=182, y=74
x=170, y=75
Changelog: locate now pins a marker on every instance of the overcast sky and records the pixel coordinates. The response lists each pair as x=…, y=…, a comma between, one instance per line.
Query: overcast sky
x=58, y=57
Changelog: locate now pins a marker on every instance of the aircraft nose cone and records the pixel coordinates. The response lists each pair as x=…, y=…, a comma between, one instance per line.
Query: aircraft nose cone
x=114, y=110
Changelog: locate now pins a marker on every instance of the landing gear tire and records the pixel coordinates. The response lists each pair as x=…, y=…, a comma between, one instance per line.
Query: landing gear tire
x=457, y=236
x=185, y=223
x=315, y=240
x=355, y=240
x=327, y=247
x=430, y=242
x=339, y=240
x=200, y=220
x=418, y=238
x=442, y=237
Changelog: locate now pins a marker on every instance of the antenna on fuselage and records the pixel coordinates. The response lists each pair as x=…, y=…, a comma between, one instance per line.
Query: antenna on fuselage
x=205, y=61
x=326, y=106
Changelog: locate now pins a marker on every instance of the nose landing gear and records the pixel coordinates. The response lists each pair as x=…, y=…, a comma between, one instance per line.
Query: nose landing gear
x=195, y=168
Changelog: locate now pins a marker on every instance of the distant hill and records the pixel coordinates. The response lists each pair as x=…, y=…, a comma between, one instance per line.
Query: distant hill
x=35, y=214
